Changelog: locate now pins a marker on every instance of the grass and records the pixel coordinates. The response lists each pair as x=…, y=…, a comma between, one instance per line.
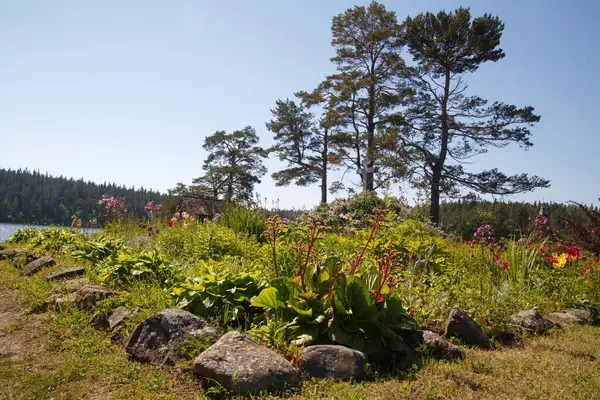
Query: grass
x=60, y=355
x=74, y=360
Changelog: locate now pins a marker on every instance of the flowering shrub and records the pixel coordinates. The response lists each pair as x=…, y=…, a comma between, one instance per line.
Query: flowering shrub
x=114, y=206
x=151, y=207
x=484, y=234
x=182, y=218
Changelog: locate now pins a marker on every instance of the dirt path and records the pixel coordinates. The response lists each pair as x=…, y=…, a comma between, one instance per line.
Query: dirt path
x=21, y=334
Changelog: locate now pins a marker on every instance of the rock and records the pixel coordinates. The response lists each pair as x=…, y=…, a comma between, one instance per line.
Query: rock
x=587, y=314
x=55, y=301
x=88, y=295
x=463, y=327
x=161, y=338
x=437, y=326
x=114, y=319
x=69, y=285
x=20, y=260
x=11, y=253
x=441, y=348
x=117, y=318
x=66, y=273
x=333, y=361
x=564, y=319
x=532, y=322
x=36, y=265
x=239, y=363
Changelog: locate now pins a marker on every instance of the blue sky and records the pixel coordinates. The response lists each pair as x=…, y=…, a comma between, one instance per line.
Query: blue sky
x=126, y=91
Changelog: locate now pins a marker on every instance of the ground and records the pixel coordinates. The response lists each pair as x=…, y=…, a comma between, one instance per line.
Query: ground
x=59, y=355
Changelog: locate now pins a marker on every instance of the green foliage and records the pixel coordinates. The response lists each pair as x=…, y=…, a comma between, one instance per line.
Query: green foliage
x=242, y=218
x=99, y=249
x=49, y=239
x=446, y=126
x=225, y=297
x=33, y=197
x=125, y=267
x=198, y=241
x=234, y=164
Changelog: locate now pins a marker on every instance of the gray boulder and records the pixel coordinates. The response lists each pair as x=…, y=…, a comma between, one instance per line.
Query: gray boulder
x=531, y=322
x=239, y=363
x=34, y=266
x=564, y=319
x=66, y=273
x=161, y=338
x=441, y=348
x=332, y=361
x=463, y=327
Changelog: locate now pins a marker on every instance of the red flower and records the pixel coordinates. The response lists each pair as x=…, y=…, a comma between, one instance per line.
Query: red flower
x=498, y=258
x=544, y=249
x=559, y=246
x=505, y=265
x=171, y=223
x=142, y=225
x=574, y=252
x=597, y=259
x=551, y=260
x=586, y=271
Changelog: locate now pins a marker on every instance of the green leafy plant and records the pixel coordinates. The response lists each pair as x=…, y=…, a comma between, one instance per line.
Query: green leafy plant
x=126, y=267
x=225, y=297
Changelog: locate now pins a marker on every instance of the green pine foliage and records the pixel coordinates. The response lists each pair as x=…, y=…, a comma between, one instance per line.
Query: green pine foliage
x=36, y=198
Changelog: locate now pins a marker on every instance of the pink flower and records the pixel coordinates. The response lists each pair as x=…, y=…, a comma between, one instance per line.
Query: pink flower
x=177, y=215
x=586, y=271
x=597, y=259
x=559, y=246
x=544, y=249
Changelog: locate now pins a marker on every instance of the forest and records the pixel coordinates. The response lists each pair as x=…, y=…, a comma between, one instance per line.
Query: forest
x=36, y=198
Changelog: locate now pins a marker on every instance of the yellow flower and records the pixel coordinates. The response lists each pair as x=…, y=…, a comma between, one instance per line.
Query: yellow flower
x=560, y=260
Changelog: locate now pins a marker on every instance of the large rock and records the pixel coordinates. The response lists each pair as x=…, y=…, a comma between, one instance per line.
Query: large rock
x=88, y=295
x=463, y=327
x=239, y=363
x=332, y=361
x=441, y=348
x=531, y=322
x=161, y=338
x=38, y=264
x=66, y=273
x=564, y=319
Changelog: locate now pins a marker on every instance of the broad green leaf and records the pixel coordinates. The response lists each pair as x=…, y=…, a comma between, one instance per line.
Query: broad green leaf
x=268, y=298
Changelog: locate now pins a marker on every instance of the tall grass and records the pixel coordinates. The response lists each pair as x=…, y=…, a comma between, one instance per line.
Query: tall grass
x=244, y=218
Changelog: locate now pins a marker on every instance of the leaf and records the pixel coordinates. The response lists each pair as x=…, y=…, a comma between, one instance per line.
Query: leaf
x=268, y=298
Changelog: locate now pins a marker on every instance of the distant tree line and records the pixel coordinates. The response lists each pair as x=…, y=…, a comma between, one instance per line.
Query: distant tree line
x=508, y=219
x=36, y=198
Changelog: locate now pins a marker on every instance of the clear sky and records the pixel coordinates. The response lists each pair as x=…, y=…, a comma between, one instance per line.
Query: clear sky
x=125, y=91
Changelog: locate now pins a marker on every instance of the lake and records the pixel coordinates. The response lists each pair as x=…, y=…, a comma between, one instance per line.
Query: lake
x=6, y=230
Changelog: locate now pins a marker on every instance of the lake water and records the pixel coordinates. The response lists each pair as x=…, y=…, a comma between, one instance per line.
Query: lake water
x=6, y=230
